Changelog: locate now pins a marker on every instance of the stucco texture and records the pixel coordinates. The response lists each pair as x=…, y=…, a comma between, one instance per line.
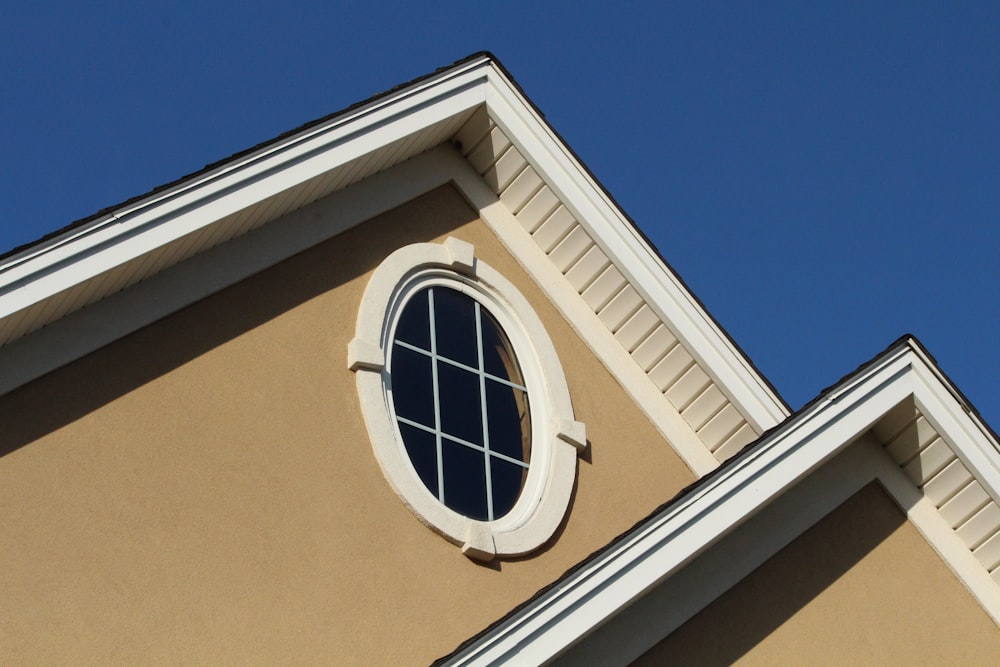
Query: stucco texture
x=861, y=587
x=204, y=491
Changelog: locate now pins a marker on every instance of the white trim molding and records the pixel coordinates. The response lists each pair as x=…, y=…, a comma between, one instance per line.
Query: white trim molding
x=139, y=239
x=556, y=437
x=118, y=315
x=622, y=242
x=52, y=292
x=667, y=542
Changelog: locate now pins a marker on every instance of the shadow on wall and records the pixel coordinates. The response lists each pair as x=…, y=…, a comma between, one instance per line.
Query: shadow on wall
x=906, y=434
x=734, y=624
x=68, y=393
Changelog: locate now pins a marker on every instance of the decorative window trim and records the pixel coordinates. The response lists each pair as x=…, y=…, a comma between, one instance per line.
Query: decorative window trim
x=557, y=438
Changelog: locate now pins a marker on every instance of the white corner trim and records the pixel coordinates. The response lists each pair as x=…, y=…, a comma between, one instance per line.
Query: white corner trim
x=670, y=604
x=939, y=535
x=657, y=614
x=130, y=232
x=669, y=540
x=552, y=469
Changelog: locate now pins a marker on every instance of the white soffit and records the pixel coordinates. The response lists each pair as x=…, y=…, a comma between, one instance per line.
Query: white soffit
x=638, y=343
x=142, y=238
x=621, y=241
x=662, y=545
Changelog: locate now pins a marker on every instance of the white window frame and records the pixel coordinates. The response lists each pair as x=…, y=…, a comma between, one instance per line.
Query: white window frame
x=556, y=437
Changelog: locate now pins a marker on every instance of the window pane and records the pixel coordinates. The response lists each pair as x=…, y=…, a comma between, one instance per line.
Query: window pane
x=414, y=325
x=498, y=357
x=461, y=410
x=455, y=326
x=508, y=480
x=464, y=480
x=412, y=386
x=507, y=417
x=422, y=450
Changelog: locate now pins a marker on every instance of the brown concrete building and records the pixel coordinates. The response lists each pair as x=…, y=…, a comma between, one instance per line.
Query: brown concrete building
x=405, y=384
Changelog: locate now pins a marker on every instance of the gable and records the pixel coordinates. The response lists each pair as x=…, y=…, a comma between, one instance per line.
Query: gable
x=861, y=586
x=651, y=316
x=654, y=336
x=216, y=481
x=700, y=544
x=219, y=308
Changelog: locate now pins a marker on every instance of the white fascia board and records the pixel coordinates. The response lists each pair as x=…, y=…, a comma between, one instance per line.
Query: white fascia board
x=566, y=613
x=83, y=331
x=663, y=415
x=134, y=230
x=961, y=429
x=138, y=228
x=631, y=253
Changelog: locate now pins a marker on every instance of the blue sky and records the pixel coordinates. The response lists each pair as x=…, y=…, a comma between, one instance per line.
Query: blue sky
x=824, y=179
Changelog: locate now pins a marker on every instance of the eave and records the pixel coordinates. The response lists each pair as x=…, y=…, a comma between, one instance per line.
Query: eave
x=676, y=355
x=62, y=273
x=870, y=401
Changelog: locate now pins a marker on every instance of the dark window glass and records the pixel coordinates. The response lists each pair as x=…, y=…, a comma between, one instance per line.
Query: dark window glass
x=455, y=323
x=422, y=450
x=507, y=481
x=507, y=416
x=464, y=480
x=444, y=324
x=498, y=358
x=414, y=325
x=461, y=408
x=412, y=386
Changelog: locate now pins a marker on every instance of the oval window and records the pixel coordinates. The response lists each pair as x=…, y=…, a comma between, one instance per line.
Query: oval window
x=460, y=403
x=465, y=400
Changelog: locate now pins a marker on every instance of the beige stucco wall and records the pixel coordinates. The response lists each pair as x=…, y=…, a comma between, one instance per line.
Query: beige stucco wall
x=204, y=490
x=861, y=587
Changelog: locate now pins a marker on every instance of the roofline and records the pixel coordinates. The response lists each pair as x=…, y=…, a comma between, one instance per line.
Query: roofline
x=700, y=515
x=167, y=191
x=136, y=228
x=188, y=180
x=643, y=264
x=99, y=242
x=638, y=231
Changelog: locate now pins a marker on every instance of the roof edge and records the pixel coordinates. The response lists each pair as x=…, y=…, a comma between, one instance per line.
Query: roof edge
x=553, y=619
x=37, y=272
x=188, y=180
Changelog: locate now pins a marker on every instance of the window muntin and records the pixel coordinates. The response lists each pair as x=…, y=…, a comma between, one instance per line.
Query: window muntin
x=460, y=402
